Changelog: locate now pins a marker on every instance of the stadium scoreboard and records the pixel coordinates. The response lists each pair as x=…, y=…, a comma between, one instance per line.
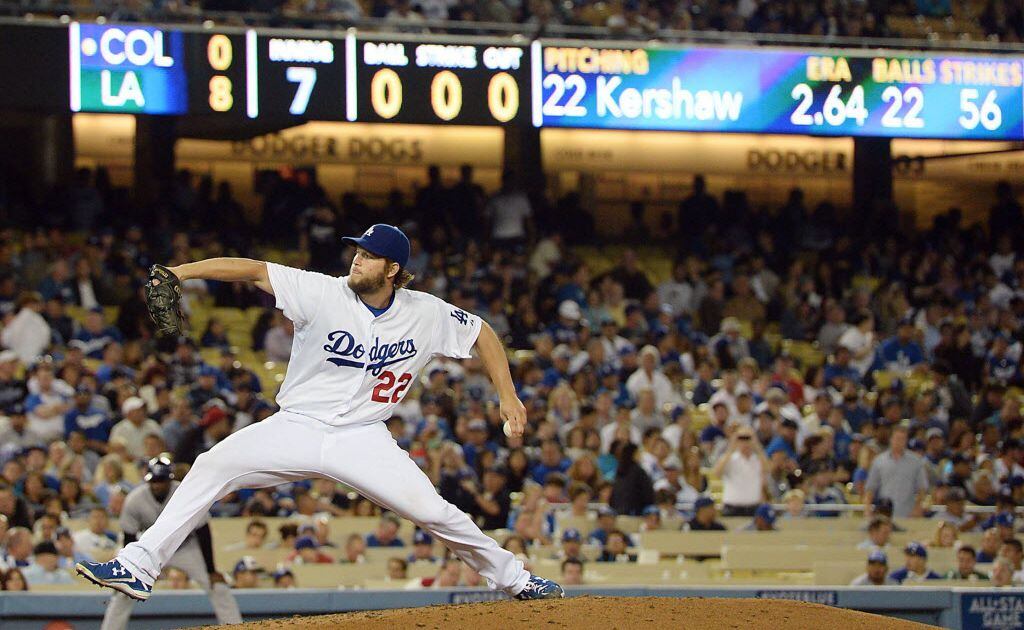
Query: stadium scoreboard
x=852, y=93
x=276, y=76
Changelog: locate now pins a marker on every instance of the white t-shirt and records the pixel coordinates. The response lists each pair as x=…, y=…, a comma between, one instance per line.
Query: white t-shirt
x=742, y=480
x=508, y=212
x=348, y=367
x=856, y=341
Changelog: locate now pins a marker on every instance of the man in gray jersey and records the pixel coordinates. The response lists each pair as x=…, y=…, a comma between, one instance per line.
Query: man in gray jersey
x=194, y=557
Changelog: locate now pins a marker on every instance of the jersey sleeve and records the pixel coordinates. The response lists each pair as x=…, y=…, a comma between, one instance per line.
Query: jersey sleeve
x=457, y=331
x=299, y=293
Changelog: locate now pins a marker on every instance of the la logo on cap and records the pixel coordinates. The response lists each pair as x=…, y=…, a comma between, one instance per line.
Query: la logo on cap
x=369, y=232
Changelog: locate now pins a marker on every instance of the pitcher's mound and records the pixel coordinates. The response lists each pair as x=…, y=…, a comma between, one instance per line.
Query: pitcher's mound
x=592, y=613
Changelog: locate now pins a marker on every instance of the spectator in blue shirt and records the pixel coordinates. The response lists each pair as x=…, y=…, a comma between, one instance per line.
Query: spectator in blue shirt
x=551, y=460
x=566, y=328
x=900, y=352
x=476, y=442
x=916, y=567
x=387, y=532
x=92, y=421
x=785, y=440
x=839, y=371
x=559, y=370
x=1000, y=363
x=94, y=335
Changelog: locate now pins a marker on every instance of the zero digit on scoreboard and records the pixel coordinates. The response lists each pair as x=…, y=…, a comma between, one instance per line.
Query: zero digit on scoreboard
x=386, y=93
x=446, y=95
x=503, y=97
x=219, y=54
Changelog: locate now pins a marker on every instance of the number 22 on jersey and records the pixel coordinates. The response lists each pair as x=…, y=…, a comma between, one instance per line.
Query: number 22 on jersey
x=390, y=388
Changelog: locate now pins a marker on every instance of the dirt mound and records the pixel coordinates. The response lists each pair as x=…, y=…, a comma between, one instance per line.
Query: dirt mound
x=604, y=612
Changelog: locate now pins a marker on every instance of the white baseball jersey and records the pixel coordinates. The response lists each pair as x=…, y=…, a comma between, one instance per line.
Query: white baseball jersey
x=348, y=367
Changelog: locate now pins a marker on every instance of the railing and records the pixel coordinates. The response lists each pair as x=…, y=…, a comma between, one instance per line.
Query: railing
x=113, y=11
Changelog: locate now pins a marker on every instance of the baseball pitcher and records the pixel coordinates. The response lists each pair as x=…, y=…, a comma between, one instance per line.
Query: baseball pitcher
x=360, y=340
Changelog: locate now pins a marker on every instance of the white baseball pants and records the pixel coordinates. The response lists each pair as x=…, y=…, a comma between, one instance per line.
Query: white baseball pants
x=190, y=560
x=289, y=447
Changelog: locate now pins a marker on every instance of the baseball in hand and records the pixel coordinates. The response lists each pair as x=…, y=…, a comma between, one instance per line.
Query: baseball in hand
x=507, y=428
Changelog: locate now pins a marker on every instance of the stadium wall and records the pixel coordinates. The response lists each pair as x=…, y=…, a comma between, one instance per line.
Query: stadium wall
x=959, y=609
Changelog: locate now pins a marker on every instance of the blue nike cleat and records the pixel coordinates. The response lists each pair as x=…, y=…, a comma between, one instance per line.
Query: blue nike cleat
x=115, y=575
x=539, y=588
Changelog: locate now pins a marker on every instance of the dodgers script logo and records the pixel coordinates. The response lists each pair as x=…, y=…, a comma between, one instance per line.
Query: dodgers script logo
x=348, y=353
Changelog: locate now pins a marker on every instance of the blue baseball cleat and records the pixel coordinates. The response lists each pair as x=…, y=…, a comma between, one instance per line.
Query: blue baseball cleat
x=114, y=575
x=539, y=588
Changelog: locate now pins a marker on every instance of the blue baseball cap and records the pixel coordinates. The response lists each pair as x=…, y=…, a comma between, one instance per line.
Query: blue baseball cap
x=383, y=240
x=766, y=512
x=1004, y=519
x=878, y=557
x=248, y=563
x=306, y=542
x=915, y=549
x=571, y=535
x=422, y=538
x=651, y=509
x=703, y=502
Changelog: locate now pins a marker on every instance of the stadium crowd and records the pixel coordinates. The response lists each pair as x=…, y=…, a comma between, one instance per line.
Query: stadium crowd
x=1000, y=20
x=799, y=357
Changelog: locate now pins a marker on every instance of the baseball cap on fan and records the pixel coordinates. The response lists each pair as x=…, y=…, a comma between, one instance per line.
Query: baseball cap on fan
x=383, y=240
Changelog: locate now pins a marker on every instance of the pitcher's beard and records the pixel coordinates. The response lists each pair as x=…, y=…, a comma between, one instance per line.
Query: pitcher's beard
x=366, y=284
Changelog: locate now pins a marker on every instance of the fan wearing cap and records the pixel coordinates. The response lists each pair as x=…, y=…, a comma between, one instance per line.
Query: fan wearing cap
x=877, y=573
x=955, y=512
x=705, y=517
x=307, y=551
x=650, y=377
x=422, y=548
x=764, y=519
x=89, y=418
x=135, y=426
x=15, y=432
x=901, y=352
x=566, y=329
x=213, y=427
x=283, y=578
x=142, y=507
x=247, y=572
x=916, y=567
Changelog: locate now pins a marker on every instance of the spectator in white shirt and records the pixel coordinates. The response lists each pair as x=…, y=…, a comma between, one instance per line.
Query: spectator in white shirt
x=509, y=212
x=860, y=339
x=27, y=333
x=135, y=427
x=677, y=293
x=96, y=541
x=649, y=376
x=45, y=567
x=743, y=469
